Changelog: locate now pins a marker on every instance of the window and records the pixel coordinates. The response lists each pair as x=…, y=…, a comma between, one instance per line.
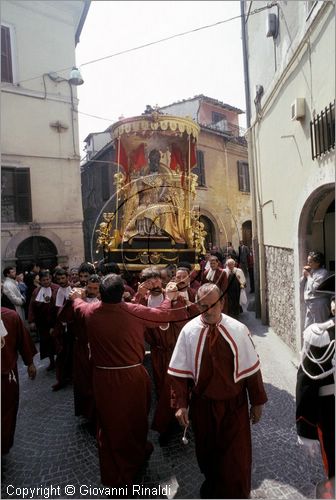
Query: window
x=199, y=169
x=243, y=176
x=6, y=55
x=16, y=195
x=322, y=132
x=217, y=117
x=219, y=122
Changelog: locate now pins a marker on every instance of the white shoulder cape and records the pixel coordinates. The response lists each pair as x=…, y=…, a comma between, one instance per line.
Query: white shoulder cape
x=187, y=355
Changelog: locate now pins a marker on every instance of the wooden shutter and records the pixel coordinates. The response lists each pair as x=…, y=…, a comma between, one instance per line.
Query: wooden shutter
x=6, y=56
x=23, y=195
x=199, y=170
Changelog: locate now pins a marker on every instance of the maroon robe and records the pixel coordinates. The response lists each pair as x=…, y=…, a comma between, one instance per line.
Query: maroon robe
x=17, y=341
x=221, y=280
x=162, y=343
x=44, y=315
x=82, y=366
x=121, y=383
x=220, y=419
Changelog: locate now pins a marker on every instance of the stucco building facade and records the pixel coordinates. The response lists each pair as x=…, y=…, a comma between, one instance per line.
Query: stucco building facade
x=41, y=197
x=290, y=75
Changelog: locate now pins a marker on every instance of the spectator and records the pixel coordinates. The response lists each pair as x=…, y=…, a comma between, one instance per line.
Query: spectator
x=317, y=304
x=250, y=265
x=12, y=291
x=236, y=282
x=243, y=253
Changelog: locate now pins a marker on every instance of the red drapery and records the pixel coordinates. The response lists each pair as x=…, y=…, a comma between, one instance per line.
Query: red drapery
x=138, y=159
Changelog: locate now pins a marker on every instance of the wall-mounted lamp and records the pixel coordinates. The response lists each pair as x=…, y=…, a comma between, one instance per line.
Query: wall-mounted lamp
x=75, y=77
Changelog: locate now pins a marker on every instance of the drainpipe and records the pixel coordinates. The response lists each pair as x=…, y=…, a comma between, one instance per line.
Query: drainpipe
x=248, y=136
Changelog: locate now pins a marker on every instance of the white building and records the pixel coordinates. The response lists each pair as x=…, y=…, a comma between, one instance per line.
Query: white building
x=290, y=75
x=40, y=174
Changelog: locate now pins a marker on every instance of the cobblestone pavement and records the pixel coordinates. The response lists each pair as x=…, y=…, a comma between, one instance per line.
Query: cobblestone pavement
x=53, y=447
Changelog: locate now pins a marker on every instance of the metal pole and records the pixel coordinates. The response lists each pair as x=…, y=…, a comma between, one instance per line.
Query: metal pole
x=117, y=197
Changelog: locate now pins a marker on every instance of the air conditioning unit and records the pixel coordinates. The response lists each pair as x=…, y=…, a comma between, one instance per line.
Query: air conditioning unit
x=298, y=108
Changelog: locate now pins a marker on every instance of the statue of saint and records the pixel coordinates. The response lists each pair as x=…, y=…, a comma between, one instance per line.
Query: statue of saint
x=150, y=209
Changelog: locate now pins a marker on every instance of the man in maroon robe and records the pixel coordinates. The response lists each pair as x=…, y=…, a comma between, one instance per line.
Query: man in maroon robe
x=63, y=340
x=216, y=355
x=162, y=340
x=218, y=276
x=16, y=340
x=121, y=383
x=42, y=316
x=82, y=366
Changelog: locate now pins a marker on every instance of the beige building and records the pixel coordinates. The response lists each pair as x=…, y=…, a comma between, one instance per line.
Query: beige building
x=40, y=175
x=290, y=49
x=223, y=192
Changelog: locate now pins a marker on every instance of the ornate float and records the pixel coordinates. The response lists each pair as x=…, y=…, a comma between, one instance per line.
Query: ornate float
x=155, y=221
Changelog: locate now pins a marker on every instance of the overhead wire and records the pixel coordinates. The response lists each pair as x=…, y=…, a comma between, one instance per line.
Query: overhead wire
x=171, y=37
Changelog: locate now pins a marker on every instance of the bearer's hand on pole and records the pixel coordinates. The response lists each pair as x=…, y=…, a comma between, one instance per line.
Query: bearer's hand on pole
x=172, y=291
x=76, y=293
x=182, y=416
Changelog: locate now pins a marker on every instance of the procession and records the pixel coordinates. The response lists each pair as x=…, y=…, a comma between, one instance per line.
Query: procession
x=168, y=295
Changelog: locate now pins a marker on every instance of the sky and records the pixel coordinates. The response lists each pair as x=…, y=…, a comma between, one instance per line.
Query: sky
x=206, y=62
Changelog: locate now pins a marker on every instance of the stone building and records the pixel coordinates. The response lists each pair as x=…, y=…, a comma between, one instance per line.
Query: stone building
x=40, y=176
x=290, y=76
x=223, y=192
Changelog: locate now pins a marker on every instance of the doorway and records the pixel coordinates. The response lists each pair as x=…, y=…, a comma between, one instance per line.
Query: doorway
x=36, y=249
x=210, y=239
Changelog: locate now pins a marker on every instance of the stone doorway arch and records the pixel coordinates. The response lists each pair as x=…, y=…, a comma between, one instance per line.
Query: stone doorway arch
x=316, y=231
x=36, y=249
x=317, y=221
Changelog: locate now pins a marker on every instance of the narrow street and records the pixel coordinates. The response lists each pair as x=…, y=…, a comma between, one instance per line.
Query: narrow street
x=54, y=448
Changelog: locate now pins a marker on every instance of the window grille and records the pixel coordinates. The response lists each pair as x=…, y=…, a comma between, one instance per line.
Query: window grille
x=322, y=132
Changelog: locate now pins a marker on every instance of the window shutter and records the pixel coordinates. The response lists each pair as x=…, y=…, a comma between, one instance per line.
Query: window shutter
x=6, y=56
x=200, y=171
x=23, y=195
x=243, y=176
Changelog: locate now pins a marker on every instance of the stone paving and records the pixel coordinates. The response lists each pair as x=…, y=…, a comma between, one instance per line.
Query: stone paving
x=54, y=448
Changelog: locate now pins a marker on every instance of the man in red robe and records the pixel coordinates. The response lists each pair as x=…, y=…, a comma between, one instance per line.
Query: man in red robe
x=82, y=366
x=42, y=316
x=162, y=340
x=16, y=340
x=215, y=274
x=216, y=354
x=121, y=383
x=62, y=337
